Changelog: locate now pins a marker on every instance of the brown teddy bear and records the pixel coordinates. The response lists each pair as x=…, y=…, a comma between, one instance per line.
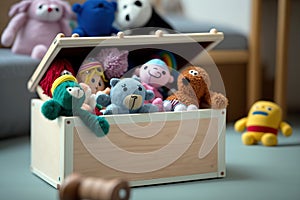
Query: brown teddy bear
x=194, y=93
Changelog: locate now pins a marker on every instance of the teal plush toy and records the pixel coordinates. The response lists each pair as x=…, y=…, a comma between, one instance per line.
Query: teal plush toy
x=95, y=18
x=67, y=100
x=126, y=96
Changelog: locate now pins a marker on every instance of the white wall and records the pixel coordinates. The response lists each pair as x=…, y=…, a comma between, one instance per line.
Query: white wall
x=233, y=13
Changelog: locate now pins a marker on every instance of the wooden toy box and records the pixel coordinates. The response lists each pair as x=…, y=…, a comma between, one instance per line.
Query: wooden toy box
x=142, y=148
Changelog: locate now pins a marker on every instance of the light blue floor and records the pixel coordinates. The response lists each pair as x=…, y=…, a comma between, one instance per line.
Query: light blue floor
x=253, y=172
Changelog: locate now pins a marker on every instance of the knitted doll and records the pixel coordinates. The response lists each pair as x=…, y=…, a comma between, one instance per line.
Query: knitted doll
x=193, y=92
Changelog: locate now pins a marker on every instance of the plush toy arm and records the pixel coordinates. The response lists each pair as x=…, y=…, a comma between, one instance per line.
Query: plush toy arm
x=218, y=100
x=286, y=129
x=240, y=125
x=114, y=109
x=149, y=95
x=102, y=99
x=51, y=109
x=148, y=108
x=97, y=124
x=79, y=31
x=12, y=29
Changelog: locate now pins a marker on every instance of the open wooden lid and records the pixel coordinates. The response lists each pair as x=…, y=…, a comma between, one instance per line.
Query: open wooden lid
x=78, y=48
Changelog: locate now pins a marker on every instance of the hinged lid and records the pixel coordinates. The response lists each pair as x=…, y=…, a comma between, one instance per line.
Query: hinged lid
x=77, y=48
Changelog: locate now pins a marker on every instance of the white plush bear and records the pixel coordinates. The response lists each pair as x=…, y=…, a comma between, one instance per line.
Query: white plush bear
x=34, y=25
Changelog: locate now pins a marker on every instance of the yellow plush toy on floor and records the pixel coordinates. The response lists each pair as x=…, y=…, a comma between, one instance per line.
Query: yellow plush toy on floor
x=262, y=124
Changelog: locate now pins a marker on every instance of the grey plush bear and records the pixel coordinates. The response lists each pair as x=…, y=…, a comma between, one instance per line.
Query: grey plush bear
x=126, y=96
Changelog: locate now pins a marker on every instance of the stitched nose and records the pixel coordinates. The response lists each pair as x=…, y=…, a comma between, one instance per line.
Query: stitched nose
x=50, y=9
x=127, y=17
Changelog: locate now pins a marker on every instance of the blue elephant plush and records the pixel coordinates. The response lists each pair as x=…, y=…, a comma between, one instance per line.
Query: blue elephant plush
x=127, y=96
x=95, y=18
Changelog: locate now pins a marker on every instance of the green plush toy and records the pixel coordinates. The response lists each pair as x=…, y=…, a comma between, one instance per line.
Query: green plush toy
x=67, y=100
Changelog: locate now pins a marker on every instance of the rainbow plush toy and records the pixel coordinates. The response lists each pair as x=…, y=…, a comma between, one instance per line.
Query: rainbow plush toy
x=262, y=124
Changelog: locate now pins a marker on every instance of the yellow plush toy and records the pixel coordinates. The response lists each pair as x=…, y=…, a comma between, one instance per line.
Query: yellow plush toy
x=262, y=124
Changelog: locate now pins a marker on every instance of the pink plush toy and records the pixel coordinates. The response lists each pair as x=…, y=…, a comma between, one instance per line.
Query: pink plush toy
x=153, y=75
x=34, y=25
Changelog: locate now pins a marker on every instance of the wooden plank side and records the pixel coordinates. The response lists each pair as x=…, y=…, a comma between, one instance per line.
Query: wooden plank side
x=188, y=164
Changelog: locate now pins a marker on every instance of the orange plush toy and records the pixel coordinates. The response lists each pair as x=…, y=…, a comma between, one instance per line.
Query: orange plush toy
x=194, y=93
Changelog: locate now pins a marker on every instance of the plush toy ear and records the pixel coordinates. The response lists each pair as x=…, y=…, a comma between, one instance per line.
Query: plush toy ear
x=77, y=8
x=135, y=77
x=19, y=7
x=114, y=81
x=67, y=10
x=149, y=95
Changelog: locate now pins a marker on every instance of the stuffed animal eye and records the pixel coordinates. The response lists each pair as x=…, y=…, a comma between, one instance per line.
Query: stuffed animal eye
x=100, y=83
x=193, y=72
x=138, y=3
x=57, y=9
x=125, y=6
x=145, y=67
x=163, y=72
x=269, y=108
x=93, y=80
x=41, y=6
x=101, y=5
x=124, y=87
x=140, y=88
x=69, y=89
x=65, y=72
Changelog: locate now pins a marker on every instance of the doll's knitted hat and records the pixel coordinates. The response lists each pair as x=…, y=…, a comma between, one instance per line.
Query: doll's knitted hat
x=89, y=64
x=157, y=62
x=60, y=80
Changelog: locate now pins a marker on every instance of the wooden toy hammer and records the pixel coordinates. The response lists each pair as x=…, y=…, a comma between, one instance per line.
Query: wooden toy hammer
x=76, y=187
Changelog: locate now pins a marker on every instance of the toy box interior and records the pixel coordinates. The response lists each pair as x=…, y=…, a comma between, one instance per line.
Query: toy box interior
x=145, y=149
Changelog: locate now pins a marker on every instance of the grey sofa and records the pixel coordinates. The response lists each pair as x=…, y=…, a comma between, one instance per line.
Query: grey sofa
x=15, y=71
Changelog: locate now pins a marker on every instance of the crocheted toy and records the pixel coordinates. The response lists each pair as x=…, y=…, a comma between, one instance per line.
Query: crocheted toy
x=194, y=92
x=35, y=24
x=127, y=96
x=57, y=68
x=114, y=62
x=154, y=74
x=91, y=72
x=67, y=100
x=137, y=14
x=95, y=18
x=262, y=124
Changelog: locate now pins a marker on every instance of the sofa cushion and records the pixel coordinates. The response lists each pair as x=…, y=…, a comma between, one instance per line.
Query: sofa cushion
x=15, y=71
